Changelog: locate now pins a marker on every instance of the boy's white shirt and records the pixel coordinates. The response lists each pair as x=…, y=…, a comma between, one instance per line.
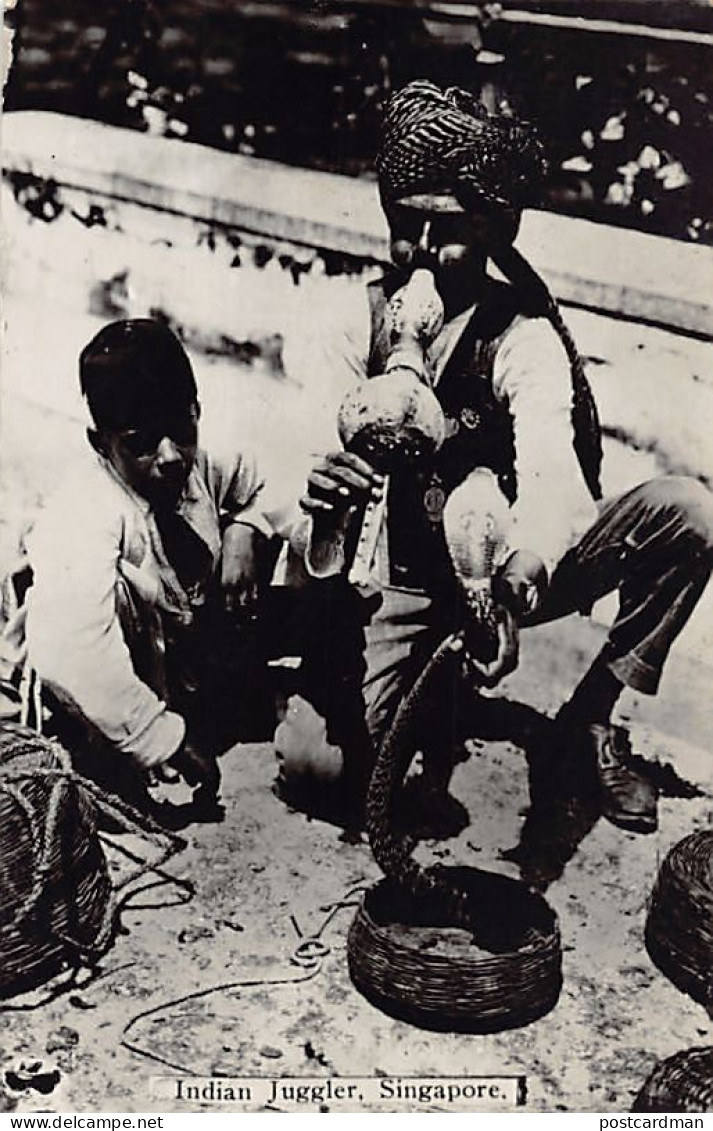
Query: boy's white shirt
x=94, y=529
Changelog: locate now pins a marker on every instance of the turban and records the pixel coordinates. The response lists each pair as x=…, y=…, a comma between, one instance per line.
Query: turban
x=445, y=141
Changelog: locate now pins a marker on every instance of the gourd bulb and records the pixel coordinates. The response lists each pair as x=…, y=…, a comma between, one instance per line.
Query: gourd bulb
x=391, y=420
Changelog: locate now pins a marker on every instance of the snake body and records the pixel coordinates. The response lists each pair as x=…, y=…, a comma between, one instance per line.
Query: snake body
x=392, y=850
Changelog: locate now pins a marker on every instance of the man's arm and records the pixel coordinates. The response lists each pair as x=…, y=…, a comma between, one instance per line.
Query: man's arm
x=325, y=353
x=338, y=489
x=532, y=374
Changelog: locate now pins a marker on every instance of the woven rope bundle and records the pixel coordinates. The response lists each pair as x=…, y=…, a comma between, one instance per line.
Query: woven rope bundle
x=509, y=976
x=679, y=926
x=683, y=1082
x=55, y=891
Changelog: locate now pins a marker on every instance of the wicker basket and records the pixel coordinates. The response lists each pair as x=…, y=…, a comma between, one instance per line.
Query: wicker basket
x=684, y=1082
x=679, y=927
x=394, y=961
x=55, y=890
x=58, y=906
x=451, y=949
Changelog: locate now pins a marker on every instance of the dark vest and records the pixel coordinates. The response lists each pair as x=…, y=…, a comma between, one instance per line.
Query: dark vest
x=479, y=433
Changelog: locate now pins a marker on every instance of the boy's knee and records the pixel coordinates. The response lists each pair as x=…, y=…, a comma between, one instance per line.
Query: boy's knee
x=689, y=499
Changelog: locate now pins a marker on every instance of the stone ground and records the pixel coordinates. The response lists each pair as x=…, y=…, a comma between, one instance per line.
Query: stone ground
x=265, y=872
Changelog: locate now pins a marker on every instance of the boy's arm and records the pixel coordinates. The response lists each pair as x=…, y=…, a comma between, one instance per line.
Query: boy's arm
x=75, y=639
x=237, y=487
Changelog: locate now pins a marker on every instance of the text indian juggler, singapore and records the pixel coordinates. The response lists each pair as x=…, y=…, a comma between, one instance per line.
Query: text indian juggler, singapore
x=354, y=1091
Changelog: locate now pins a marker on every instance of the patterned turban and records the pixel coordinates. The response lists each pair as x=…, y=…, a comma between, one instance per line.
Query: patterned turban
x=445, y=141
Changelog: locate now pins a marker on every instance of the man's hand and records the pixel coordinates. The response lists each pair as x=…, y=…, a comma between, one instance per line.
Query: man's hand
x=198, y=769
x=520, y=584
x=338, y=484
x=239, y=570
x=488, y=674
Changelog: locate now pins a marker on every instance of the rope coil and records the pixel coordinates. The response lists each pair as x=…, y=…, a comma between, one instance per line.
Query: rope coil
x=309, y=954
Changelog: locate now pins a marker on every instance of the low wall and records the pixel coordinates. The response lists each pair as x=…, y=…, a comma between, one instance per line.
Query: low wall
x=625, y=273
x=101, y=222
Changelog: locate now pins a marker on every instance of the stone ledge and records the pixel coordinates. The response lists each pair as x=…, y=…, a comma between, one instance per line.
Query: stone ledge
x=629, y=274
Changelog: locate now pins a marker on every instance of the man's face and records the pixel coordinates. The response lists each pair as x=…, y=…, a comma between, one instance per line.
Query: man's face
x=434, y=232
x=155, y=458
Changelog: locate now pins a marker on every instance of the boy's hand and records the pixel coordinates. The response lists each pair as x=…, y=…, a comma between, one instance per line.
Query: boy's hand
x=197, y=767
x=239, y=569
x=338, y=484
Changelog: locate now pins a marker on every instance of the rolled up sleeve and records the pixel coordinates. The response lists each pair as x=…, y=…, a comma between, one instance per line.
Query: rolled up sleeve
x=237, y=487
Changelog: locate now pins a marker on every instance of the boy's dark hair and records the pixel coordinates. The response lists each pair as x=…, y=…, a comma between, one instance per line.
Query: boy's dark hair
x=134, y=371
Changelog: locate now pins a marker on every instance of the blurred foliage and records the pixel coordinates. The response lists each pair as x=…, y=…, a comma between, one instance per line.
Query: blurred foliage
x=629, y=129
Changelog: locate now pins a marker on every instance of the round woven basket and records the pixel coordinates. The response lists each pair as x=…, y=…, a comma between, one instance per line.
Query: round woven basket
x=679, y=926
x=55, y=891
x=452, y=949
x=407, y=959
x=684, y=1082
